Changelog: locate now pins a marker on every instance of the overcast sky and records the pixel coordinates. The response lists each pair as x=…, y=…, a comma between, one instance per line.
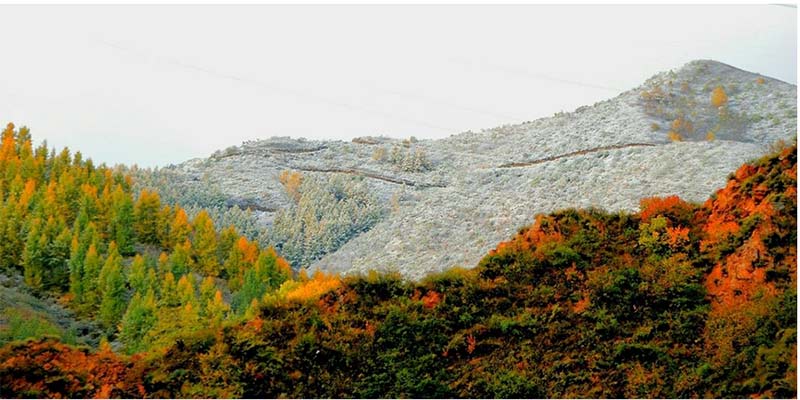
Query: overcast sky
x=155, y=85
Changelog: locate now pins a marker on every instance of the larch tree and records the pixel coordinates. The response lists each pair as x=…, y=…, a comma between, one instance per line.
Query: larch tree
x=122, y=221
x=91, y=271
x=139, y=318
x=180, y=229
x=112, y=303
x=204, y=245
x=146, y=217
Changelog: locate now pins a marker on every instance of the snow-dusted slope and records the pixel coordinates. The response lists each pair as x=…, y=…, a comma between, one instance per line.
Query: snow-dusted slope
x=486, y=185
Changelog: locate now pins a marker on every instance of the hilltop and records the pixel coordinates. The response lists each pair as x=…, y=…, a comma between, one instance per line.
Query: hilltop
x=439, y=203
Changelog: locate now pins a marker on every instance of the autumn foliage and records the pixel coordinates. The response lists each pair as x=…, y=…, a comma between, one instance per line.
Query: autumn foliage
x=718, y=97
x=680, y=300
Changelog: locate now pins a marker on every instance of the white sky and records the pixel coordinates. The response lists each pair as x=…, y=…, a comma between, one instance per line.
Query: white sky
x=160, y=84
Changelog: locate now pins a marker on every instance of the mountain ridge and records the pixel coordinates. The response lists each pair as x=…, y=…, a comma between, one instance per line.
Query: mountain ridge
x=451, y=213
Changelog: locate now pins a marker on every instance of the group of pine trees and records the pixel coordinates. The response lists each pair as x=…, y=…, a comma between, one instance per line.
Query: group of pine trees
x=325, y=214
x=141, y=268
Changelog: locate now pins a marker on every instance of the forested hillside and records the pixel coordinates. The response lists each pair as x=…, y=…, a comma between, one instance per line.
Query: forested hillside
x=136, y=271
x=678, y=300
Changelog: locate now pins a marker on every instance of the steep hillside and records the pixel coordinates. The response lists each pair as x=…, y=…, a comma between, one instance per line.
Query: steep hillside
x=679, y=300
x=446, y=202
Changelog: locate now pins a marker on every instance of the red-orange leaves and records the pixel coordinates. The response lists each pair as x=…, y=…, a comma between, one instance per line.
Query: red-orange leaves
x=431, y=299
x=46, y=368
x=672, y=206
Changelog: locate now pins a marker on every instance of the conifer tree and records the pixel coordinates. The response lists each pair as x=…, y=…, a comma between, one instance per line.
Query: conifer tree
x=227, y=238
x=146, y=217
x=204, y=245
x=13, y=242
x=112, y=304
x=216, y=309
x=32, y=260
x=252, y=288
x=91, y=272
x=138, y=277
x=122, y=221
x=180, y=229
x=169, y=296
x=180, y=261
x=139, y=318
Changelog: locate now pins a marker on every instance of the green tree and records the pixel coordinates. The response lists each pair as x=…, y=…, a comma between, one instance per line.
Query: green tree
x=146, y=216
x=204, y=245
x=91, y=272
x=112, y=279
x=32, y=257
x=216, y=309
x=122, y=222
x=140, y=317
x=180, y=261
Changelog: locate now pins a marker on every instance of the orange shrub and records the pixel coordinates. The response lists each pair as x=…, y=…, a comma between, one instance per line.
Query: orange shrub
x=315, y=287
x=291, y=182
x=653, y=206
x=718, y=97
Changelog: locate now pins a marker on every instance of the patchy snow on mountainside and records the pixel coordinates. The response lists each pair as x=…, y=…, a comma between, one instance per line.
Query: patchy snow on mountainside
x=449, y=201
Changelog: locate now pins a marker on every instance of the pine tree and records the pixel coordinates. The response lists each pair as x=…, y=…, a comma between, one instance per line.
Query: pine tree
x=122, y=222
x=272, y=269
x=112, y=304
x=216, y=309
x=165, y=218
x=146, y=217
x=227, y=239
x=140, y=317
x=186, y=291
x=169, y=296
x=57, y=253
x=252, y=288
x=91, y=272
x=138, y=276
x=204, y=245
x=32, y=260
x=180, y=261
x=207, y=289
x=242, y=255
x=180, y=229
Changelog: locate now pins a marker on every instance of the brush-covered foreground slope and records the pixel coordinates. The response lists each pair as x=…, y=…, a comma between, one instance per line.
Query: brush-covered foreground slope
x=478, y=188
x=679, y=300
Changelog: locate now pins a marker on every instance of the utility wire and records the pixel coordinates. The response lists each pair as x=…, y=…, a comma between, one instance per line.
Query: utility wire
x=275, y=89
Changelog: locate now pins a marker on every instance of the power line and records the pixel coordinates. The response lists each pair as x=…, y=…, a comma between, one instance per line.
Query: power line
x=299, y=94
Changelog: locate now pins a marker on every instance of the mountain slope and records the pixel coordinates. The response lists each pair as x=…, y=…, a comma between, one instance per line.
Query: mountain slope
x=481, y=187
x=679, y=300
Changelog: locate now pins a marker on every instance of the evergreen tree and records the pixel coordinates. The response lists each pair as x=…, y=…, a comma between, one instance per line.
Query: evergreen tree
x=146, y=217
x=138, y=278
x=180, y=229
x=122, y=222
x=169, y=296
x=91, y=272
x=140, y=317
x=216, y=309
x=252, y=288
x=180, y=261
x=227, y=238
x=32, y=257
x=79, y=246
x=204, y=245
x=112, y=304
